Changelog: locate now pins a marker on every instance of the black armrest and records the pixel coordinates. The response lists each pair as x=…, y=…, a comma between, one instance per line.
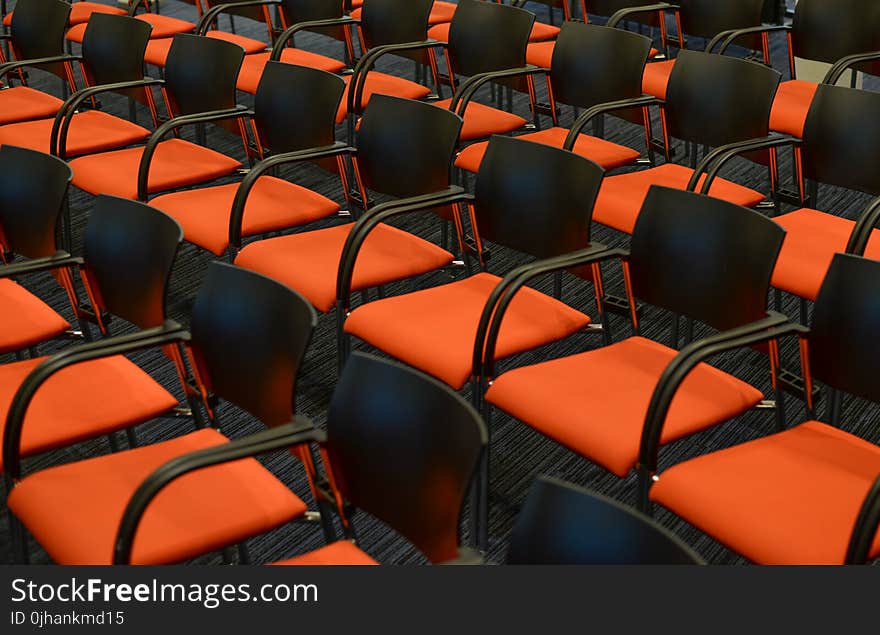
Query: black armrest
x=173, y=124
x=622, y=14
x=844, y=63
x=56, y=261
x=600, y=109
x=862, y=537
x=208, y=17
x=772, y=327
x=717, y=158
x=288, y=33
x=149, y=338
x=738, y=33
x=861, y=233
x=278, y=438
x=376, y=216
x=64, y=116
x=10, y=67
x=466, y=91
x=368, y=61
x=502, y=295
x=247, y=184
x=466, y=557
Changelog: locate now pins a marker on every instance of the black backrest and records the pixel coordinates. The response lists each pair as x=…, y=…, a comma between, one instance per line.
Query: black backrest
x=296, y=11
x=844, y=348
x=707, y=18
x=405, y=147
x=38, y=28
x=295, y=107
x=703, y=257
x=485, y=37
x=827, y=30
x=403, y=447
x=33, y=188
x=200, y=74
x=249, y=336
x=394, y=21
x=129, y=249
x=842, y=138
x=594, y=64
x=564, y=524
x=113, y=48
x=252, y=12
x=535, y=198
x=715, y=99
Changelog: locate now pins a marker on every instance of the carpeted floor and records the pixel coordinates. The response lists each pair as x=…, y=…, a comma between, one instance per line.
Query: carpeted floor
x=518, y=453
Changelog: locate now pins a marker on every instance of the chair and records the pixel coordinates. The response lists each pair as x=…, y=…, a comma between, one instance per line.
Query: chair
x=36, y=39
x=794, y=497
x=127, y=256
x=561, y=523
x=539, y=32
x=79, y=11
x=399, y=446
x=598, y=403
x=112, y=52
x=814, y=35
x=441, y=12
x=33, y=192
x=404, y=149
x=248, y=338
x=163, y=26
x=592, y=65
x=199, y=88
x=294, y=111
x=731, y=123
x=841, y=143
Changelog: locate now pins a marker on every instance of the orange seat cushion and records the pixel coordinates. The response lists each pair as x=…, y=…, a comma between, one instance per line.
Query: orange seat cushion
x=434, y=329
x=811, y=240
x=656, y=78
x=309, y=261
x=158, y=48
x=483, y=121
x=81, y=11
x=74, y=510
x=607, y=154
x=788, y=498
x=341, y=552
x=621, y=196
x=540, y=54
x=90, y=131
x=176, y=163
x=595, y=403
x=164, y=26
x=273, y=204
x=441, y=12
x=7, y=19
x=542, y=32
x=25, y=320
x=82, y=401
x=253, y=65
x=76, y=33
x=791, y=105
x=439, y=32
x=21, y=103
x=382, y=84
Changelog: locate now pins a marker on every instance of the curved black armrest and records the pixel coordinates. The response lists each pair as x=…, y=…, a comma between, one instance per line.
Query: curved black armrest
x=600, y=109
x=278, y=438
x=64, y=116
x=465, y=92
x=502, y=295
x=738, y=33
x=56, y=261
x=204, y=23
x=379, y=214
x=844, y=63
x=866, y=527
x=247, y=184
x=10, y=67
x=173, y=124
x=717, y=158
x=168, y=333
x=772, y=327
x=622, y=14
x=861, y=234
x=288, y=33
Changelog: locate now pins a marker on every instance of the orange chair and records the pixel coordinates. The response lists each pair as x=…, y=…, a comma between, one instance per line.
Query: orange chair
x=794, y=497
x=540, y=31
x=163, y=26
x=80, y=11
x=441, y=12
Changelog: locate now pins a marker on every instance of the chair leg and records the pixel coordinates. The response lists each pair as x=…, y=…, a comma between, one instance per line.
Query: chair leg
x=131, y=437
x=804, y=311
x=18, y=550
x=326, y=510
x=483, y=518
x=114, y=443
x=643, y=502
x=244, y=556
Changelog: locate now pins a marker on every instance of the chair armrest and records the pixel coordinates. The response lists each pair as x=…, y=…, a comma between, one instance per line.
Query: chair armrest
x=734, y=35
x=600, y=109
x=466, y=91
x=861, y=234
x=169, y=332
x=717, y=158
x=247, y=184
x=865, y=529
x=622, y=14
x=502, y=295
x=64, y=116
x=10, y=67
x=208, y=17
x=844, y=63
x=288, y=33
x=171, y=125
x=296, y=433
x=56, y=261
x=379, y=214
x=772, y=327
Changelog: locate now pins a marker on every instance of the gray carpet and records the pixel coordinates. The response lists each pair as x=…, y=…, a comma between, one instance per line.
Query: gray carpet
x=518, y=453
